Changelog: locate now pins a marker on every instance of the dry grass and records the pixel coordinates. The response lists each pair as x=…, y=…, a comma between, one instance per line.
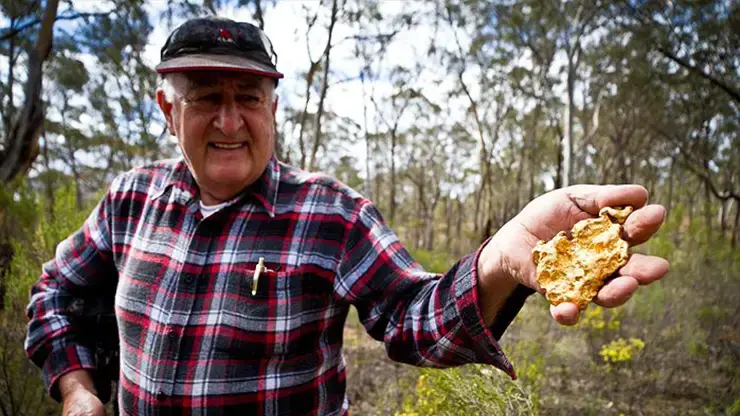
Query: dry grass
x=375, y=384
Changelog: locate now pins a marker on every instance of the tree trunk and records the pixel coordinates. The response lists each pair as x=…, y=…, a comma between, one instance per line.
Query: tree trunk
x=708, y=210
x=485, y=163
x=478, y=195
x=429, y=231
x=378, y=180
x=623, y=169
x=48, y=182
x=280, y=152
x=258, y=15
x=324, y=88
x=75, y=175
x=421, y=208
x=723, y=209
x=531, y=153
x=559, y=167
x=430, y=217
x=392, y=196
x=567, y=176
x=22, y=145
x=486, y=232
x=448, y=224
x=736, y=227
x=671, y=171
x=691, y=206
x=71, y=158
x=304, y=115
x=6, y=257
x=520, y=175
x=10, y=109
x=458, y=227
x=368, y=153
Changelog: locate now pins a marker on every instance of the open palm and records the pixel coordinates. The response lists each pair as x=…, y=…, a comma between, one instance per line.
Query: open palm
x=558, y=211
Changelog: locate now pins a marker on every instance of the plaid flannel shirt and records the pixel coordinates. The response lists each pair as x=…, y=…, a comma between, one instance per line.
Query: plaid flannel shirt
x=193, y=338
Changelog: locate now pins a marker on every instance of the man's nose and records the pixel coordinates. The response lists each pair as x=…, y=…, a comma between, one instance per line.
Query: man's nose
x=229, y=120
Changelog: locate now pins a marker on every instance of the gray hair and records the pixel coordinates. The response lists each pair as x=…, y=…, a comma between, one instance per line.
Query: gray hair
x=166, y=84
x=172, y=91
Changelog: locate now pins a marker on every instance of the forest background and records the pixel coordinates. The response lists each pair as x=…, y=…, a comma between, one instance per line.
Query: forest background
x=450, y=116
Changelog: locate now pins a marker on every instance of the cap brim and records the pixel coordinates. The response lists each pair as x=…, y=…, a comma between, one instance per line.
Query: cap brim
x=203, y=62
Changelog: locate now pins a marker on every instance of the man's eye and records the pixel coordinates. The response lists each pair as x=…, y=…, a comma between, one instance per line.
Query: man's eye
x=248, y=98
x=210, y=98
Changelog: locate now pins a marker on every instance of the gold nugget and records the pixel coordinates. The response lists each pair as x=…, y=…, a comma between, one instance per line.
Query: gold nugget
x=574, y=270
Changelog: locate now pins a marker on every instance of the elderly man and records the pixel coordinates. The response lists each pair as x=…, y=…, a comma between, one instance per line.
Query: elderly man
x=234, y=272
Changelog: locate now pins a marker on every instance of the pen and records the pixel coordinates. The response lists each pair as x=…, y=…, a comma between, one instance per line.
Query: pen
x=257, y=272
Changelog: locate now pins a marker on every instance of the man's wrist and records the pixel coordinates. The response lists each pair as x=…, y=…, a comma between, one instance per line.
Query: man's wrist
x=495, y=282
x=75, y=381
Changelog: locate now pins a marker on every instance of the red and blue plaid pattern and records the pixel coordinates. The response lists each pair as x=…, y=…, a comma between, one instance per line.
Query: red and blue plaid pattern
x=193, y=337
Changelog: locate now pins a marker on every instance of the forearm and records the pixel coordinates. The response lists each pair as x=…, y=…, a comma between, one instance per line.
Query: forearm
x=424, y=319
x=435, y=322
x=55, y=342
x=74, y=381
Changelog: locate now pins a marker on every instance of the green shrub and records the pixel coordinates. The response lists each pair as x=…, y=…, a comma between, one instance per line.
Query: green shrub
x=39, y=242
x=32, y=227
x=474, y=390
x=432, y=262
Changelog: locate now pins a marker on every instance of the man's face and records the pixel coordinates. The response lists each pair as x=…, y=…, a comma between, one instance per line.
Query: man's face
x=224, y=125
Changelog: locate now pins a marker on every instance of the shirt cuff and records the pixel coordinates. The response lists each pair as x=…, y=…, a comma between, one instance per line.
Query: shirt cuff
x=62, y=361
x=485, y=339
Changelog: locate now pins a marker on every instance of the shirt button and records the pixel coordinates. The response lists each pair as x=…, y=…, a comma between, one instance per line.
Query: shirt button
x=160, y=395
x=188, y=279
x=172, y=333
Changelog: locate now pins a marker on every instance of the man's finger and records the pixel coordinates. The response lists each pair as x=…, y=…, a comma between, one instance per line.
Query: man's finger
x=643, y=223
x=645, y=269
x=565, y=313
x=591, y=198
x=617, y=291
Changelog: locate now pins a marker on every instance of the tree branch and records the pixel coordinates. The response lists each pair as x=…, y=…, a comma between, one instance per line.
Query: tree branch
x=734, y=93
x=701, y=173
x=13, y=31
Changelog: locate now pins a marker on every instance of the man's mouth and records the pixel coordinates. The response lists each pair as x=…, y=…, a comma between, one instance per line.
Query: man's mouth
x=227, y=146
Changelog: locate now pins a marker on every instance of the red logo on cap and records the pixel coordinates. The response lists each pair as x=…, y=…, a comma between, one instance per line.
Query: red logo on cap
x=225, y=36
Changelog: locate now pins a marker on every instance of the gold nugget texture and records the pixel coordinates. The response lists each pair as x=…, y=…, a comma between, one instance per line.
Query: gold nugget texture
x=574, y=270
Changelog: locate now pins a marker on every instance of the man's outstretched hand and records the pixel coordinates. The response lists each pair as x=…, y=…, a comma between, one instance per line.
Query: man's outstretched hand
x=508, y=256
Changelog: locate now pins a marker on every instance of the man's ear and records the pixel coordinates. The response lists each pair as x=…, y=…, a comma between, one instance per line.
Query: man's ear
x=275, y=104
x=166, y=108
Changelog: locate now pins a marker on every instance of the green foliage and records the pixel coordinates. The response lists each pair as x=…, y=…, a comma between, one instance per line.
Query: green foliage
x=70, y=74
x=621, y=350
x=35, y=228
x=477, y=389
x=17, y=208
x=22, y=392
x=734, y=409
x=39, y=242
x=674, y=339
x=431, y=261
x=598, y=319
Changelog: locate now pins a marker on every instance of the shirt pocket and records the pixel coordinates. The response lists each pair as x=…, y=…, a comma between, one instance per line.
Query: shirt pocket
x=285, y=315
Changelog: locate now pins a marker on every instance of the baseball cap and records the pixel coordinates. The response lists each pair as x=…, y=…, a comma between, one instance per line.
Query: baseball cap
x=216, y=43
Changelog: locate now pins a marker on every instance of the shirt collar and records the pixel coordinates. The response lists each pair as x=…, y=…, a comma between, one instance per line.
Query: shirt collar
x=178, y=175
x=264, y=190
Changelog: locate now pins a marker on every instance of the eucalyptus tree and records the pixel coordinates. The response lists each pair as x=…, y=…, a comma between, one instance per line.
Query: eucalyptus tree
x=693, y=48
x=478, y=57
x=22, y=122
